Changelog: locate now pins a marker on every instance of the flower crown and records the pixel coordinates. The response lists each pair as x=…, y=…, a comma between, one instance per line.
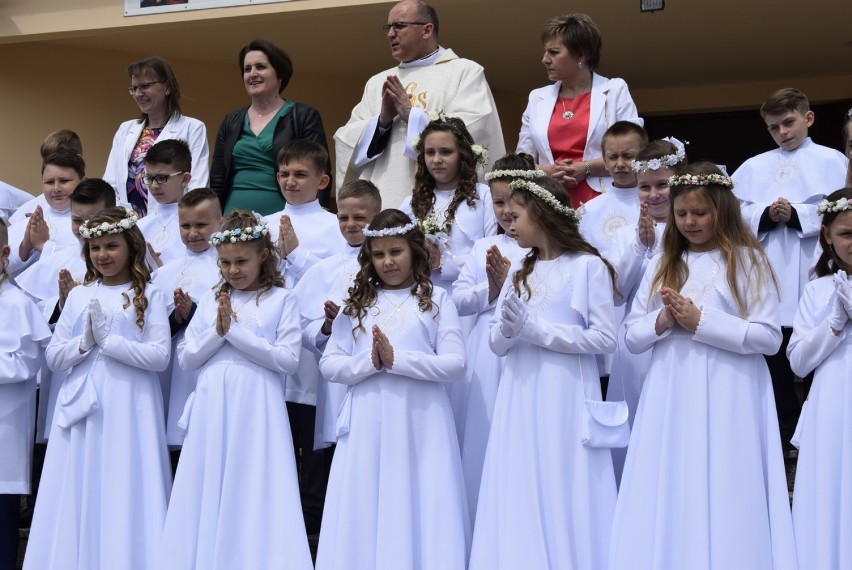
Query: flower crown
x=394, y=231
x=105, y=228
x=665, y=161
x=240, y=234
x=526, y=174
x=701, y=180
x=480, y=153
x=840, y=205
x=545, y=196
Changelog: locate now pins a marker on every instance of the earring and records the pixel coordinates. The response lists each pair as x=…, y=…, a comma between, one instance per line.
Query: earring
x=580, y=65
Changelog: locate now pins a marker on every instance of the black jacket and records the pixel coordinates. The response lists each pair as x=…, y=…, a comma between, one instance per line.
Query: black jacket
x=300, y=122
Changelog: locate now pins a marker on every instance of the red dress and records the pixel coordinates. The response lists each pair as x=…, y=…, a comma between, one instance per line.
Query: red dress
x=567, y=139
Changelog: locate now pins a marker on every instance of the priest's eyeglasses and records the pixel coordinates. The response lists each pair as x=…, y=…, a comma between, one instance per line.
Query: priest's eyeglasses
x=399, y=26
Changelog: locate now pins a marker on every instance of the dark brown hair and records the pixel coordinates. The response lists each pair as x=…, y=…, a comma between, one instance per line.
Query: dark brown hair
x=562, y=231
x=784, y=100
x=364, y=292
x=828, y=262
x=423, y=195
x=278, y=59
x=579, y=34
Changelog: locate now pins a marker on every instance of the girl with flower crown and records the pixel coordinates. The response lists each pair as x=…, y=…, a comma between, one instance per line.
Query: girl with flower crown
x=546, y=500
x=448, y=204
x=106, y=479
x=235, y=502
x=475, y=293
x=822, y=341
x=396, y=492
x=704, y=483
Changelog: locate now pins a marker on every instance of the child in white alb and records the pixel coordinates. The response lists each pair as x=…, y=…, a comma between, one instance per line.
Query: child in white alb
x=396, y=491
x=235, y=502
x=475, y=293
x=187, y=279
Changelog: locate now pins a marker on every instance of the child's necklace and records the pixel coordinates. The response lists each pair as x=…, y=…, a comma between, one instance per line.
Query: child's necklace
x=161, y=237
x=397, y=308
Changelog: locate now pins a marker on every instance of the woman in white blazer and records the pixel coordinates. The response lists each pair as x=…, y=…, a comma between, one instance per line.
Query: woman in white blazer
x=564, y=123
x=155, y=89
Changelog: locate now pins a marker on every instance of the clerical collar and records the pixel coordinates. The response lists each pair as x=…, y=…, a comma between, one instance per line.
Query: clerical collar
x=312, y=206
x=423, y=61
x=165, y=209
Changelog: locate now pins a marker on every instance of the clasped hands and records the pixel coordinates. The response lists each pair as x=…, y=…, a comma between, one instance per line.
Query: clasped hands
x=513, y=315
x=841, y=308
x=382, y=352
x=395, y=102
x=677, y=309
x=780, y=210
x=97, y=327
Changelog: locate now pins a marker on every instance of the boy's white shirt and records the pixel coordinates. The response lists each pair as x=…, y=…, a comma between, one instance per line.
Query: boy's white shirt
x=319, y=238
x=804, y=176
x=602, y=217
x=329, y=279
x=161, y=228
x=196, y=274
x=318, y=233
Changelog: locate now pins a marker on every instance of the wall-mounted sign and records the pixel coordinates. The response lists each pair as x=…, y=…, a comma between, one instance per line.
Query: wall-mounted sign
x=142, y=7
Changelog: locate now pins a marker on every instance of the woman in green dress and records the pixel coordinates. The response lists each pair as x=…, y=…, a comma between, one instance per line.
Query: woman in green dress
x=249, y=139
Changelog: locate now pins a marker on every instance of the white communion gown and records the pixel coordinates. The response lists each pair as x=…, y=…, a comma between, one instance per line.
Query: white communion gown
x=106, y=478
x=235, y=502
x=546, y=501
x=822, y=500
x=704, y=484
x=396, y=493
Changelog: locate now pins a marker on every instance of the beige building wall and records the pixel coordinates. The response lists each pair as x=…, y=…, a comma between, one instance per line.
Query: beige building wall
x=45, y=86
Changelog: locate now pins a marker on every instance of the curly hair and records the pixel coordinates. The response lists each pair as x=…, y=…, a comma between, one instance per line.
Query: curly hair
x=364, y=292
x=828, y=262
x=563, y=232
x=270, y=275
x=140, y=273
x=423, y=195
x=732, y=236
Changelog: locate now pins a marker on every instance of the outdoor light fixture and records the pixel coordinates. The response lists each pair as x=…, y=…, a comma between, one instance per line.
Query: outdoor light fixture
x=651, y=5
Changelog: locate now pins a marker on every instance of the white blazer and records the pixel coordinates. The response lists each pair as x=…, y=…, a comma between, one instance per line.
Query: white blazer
x=180, y=127
x=611, y=102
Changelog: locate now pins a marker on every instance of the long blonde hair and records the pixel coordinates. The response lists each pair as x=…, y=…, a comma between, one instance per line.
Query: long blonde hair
x=738, y=245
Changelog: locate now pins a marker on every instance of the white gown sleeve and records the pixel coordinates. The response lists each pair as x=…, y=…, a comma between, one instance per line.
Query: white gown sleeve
x=596, y=336
x=809, y=219
x=340, y=363
x=469, y=294
x=20, y=365
x=153, y=352
x=283, y=356
x=446, y=364
x=641, y=321
x=298, y=262
x=812, y=340
x=63, y=352
x=758, y=333
x=201, y=340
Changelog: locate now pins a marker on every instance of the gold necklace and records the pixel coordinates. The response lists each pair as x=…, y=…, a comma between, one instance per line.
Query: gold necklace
x=396, y=308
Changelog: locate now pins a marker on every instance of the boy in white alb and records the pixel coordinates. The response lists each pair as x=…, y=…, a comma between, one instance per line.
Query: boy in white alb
x=779, y=190
x=22, y=342
x=11, y=199
x=45, y=217
x=187, y=279
x=167, y=173
x=601, y=218
x=305, y=233
x=323, y=288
